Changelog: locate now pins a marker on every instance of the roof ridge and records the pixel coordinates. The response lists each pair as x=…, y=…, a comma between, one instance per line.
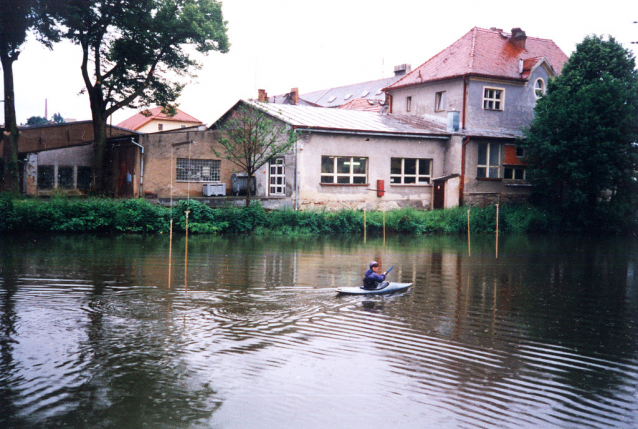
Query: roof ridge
x=472, y=51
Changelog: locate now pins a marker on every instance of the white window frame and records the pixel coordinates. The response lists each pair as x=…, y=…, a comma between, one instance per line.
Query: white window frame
x=512, y=170
x=488, y=167
x=542, y=87
x=493, y=98
x=440, y=102
x=420, y=178
x=194, y=170
x=277, y=177
x=335, y=176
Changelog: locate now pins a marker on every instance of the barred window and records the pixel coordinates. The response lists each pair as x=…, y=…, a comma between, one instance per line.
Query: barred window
x=84, y=177
x=65, y=177
x=46, y=176
x=198, y=170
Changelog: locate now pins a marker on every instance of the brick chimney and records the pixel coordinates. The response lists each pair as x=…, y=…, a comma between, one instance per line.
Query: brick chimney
x=262, y=95
x=294, y=95
x=518, y=37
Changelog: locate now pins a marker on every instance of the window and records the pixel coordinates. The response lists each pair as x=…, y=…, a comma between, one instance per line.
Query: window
x=160, y=127
x=439, y=102
x=489, y=157
x=520, y=152
x=344, y=170
x=493, y=98
x=65, y=177
x=539, y=88
x=46, y=176
x=410, y=171
x=514, y=173
x=84, y=177
x=277, y=177
x=408, y=104
x=198, y=170
x=182, y=126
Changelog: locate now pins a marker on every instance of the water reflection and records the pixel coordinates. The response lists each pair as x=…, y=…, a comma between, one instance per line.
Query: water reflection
x=92, y=333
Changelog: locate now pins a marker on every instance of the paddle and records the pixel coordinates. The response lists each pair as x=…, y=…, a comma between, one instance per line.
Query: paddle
x=388, y=272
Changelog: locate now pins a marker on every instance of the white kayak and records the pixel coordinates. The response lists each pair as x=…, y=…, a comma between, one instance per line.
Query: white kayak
x=359, y=290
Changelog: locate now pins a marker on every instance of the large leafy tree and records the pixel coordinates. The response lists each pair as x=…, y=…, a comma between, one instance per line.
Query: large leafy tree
x=137, y=53
x=581, y=144
x=17, y=18
x=250, y=138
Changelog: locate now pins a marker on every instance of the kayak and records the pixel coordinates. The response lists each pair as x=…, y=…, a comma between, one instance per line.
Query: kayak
x=359, y=290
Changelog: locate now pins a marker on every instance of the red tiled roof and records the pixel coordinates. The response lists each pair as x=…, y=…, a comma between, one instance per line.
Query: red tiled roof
x=486, y=53
x=138, y=120
x=363, y=105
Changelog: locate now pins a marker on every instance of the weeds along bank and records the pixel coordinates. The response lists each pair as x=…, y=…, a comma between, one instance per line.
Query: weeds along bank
x=107, y=215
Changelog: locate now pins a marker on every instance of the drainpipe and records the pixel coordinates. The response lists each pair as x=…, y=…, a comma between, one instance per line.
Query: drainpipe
x=464, y=97
x=462, y=185
x=296, y=174
x=141, y=166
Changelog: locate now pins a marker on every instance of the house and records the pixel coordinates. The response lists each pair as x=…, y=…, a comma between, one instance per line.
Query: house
x=156, y=119
x=58, y=158
x=370, y=91
x=447, y=135
x=488, y=81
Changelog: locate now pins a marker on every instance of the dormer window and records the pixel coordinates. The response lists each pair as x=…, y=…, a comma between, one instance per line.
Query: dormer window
x=493, y=98
x=331, y=99
x=539, y=88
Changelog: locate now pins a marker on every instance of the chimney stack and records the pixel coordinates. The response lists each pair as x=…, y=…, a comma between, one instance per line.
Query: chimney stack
x=294, y=95
x=518, y=37
x=402, y=69
x=262, y=97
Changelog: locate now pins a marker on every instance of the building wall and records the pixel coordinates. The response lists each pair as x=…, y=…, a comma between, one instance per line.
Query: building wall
x=423, y=98
x=379, y=150
x=77, y=156
x=518, y=109
x=152, y=126
x=484, y=192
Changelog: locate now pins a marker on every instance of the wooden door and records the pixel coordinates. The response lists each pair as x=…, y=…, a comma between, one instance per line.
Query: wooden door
x=439, y=194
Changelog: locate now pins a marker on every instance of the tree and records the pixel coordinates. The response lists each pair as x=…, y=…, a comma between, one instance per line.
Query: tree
x=579, y=147
x=58, y=118
x=136, y=53
x=36, y=121
x=250, y=138
x=17, y=18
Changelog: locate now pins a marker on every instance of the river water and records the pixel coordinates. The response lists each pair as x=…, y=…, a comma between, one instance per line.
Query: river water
x=95, y=334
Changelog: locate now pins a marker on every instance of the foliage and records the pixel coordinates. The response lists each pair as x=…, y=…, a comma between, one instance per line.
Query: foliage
x=58, y=118
x=250, y=138
x=137, y=52
x=579, y=146
x=36, y=121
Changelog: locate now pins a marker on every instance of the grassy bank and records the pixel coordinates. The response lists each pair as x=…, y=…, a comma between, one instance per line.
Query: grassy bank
x=106, y=216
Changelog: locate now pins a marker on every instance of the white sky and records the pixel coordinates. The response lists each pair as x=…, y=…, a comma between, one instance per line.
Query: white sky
x=281, y=44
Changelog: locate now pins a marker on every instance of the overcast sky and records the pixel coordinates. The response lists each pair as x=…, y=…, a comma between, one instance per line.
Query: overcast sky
x=280, y=44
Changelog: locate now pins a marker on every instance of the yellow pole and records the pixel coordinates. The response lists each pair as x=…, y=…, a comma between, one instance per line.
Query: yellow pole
x=170, y=253
x=497, y=207
x=384, y=227
x=186, y=257
x=364, y=224
x=469, y=251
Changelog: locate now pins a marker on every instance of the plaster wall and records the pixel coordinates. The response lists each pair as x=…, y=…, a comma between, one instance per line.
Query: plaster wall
x=423, y=98
x=74, y=156
x=379, y=150
x=152, y=126
x=519, y=102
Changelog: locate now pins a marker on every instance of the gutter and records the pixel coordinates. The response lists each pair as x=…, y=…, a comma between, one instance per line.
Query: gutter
x=141, y=166
x=463, y=156
x=374, y=133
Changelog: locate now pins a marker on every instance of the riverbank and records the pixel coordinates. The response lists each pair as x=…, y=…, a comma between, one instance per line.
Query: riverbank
x=140, y=216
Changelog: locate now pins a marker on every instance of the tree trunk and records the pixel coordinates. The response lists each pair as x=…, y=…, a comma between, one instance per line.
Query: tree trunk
x=249, y=183
x=11, y=134
x=100, y=183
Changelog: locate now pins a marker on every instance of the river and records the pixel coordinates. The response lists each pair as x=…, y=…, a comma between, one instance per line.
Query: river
x=94, y=333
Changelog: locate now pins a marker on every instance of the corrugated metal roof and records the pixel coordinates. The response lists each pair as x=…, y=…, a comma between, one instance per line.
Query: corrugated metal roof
x=318, y=118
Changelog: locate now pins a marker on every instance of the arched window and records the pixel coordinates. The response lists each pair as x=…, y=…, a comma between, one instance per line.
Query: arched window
x=539, y=88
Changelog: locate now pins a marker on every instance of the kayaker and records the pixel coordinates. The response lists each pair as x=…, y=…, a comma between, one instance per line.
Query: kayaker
x=372, y=277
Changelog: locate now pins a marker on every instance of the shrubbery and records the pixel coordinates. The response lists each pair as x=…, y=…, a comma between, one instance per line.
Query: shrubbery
x=62, y=214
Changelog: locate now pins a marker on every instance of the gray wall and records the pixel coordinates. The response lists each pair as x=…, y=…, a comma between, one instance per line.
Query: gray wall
x=423, y=98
